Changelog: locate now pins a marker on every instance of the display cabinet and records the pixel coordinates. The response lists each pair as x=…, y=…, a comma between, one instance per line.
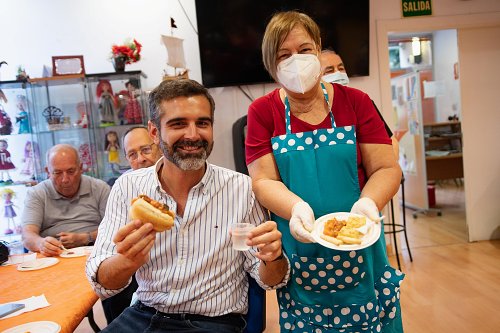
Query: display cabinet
x=117, y=103
x=19, y=156
x=90, y=112
x=61, y=110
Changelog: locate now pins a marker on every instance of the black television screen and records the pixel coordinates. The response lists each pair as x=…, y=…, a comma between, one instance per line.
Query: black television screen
x=230, y=36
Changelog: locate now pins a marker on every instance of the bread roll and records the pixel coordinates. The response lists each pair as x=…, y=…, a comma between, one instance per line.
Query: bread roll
x=149, y=211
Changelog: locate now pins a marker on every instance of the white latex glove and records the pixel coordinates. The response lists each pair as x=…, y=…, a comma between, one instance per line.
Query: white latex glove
x=367, y=207
x=302, y=222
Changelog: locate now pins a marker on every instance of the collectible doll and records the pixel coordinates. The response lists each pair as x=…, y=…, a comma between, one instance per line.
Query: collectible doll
x=121, y=98
x=31, y=159
x=112, y=144
x=2, y=96
x=22, y=116
x=81, y=109
x=5, y=163
x=85, y=157
x=133, y=110
x=9, y=212
x=107, y=102
x=5, y=122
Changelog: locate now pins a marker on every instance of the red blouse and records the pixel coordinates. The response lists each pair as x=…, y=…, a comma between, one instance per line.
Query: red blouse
x=266, y=119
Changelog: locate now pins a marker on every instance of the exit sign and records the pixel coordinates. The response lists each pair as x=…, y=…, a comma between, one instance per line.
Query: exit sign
x=416, y=7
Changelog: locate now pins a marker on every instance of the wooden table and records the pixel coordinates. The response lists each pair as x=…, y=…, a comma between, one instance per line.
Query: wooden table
x=65, y=286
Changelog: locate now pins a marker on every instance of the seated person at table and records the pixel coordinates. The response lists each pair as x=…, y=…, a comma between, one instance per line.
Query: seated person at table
x=190, y=278
x=65, y=209
x=141, y=152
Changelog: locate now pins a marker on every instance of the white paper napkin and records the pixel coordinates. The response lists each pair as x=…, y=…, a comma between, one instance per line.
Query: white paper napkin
x=30, y=304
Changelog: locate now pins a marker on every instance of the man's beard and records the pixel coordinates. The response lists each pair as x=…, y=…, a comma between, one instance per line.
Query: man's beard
x=187, y=161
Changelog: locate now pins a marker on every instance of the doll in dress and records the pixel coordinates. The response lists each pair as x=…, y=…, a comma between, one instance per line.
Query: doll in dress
x=31, y=159
x=122, y=99
x=133, y=110
x=107, y=103
x=22, y=117
x=9, y=212
x=85, y=157
x=5, y=122
x=112, y=144
x=5, y=163
x=82, y=111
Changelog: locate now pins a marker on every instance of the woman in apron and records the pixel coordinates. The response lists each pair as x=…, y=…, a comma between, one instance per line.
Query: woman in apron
x=315, y=148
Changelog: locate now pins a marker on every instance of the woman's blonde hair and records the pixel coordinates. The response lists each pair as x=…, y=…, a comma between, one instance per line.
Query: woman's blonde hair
x=278, y=29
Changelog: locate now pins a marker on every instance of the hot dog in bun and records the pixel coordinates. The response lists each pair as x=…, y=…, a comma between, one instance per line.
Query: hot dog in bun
x=150, y=211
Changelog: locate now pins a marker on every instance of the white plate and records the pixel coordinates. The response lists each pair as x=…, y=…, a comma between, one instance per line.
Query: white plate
x=37, y=264
x=370, y=237
x=74, y=252
x=36, y=327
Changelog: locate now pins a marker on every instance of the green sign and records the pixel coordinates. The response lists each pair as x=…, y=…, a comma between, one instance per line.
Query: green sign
x=416, y=7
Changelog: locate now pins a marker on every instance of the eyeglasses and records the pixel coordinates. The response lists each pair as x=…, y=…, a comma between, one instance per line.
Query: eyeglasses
x=144, y=150
x=59, y=173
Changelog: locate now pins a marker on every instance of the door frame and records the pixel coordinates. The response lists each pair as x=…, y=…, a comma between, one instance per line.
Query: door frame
x=458, y=22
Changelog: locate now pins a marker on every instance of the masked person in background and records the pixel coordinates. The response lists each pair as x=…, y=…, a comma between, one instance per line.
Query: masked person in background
x=314, y=148
x=333, y=70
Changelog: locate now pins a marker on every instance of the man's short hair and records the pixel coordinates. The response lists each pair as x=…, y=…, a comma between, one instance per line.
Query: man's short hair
x=170, y=89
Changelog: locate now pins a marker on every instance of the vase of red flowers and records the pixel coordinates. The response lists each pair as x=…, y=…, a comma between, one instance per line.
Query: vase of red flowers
x=127, y=53
x=119, y=64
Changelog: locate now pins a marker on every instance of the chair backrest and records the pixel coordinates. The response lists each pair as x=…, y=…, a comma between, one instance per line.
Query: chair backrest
x=239, y=133
x=256, y=316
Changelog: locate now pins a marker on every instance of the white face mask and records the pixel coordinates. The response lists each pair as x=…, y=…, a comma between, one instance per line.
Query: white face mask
x=337, y=77
x=299, y=73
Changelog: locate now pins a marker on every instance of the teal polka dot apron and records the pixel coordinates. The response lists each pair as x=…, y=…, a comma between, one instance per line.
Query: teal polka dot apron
x=330, y=290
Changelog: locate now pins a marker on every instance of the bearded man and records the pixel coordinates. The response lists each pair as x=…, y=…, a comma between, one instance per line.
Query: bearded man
x=190, y=278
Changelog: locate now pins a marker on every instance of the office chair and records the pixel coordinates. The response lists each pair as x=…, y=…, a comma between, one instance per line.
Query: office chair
x=239, y=133
x=256, y=316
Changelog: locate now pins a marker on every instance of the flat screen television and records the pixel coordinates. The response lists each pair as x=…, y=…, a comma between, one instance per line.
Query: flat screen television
x=230, y=36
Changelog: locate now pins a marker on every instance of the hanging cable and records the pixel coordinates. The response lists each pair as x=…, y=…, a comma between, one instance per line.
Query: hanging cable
x=179, y=1
x=245, y=93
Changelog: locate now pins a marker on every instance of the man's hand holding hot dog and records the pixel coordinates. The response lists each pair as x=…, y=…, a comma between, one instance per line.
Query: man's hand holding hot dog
x=267, y=238
x=133, y=243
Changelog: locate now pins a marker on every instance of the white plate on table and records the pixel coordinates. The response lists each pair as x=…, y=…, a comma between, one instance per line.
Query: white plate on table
x=74, y=252
x=37, y=264
x=36, y=327
x=372, y=232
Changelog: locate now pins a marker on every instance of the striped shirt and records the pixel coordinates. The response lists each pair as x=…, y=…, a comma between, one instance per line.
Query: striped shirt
x=192, y=267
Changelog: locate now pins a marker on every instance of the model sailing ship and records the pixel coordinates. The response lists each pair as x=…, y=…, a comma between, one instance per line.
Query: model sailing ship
x=176, y=64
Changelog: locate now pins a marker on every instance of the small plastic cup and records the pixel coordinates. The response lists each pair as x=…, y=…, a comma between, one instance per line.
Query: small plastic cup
x=239, y=232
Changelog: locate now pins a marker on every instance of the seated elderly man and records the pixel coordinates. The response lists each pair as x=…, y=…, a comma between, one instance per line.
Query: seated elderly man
x=139, y=148
x=66, y=209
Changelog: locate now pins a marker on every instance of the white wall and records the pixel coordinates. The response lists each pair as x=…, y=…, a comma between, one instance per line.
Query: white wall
x=446, y=55
x=480, y=71
x=33, y=31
